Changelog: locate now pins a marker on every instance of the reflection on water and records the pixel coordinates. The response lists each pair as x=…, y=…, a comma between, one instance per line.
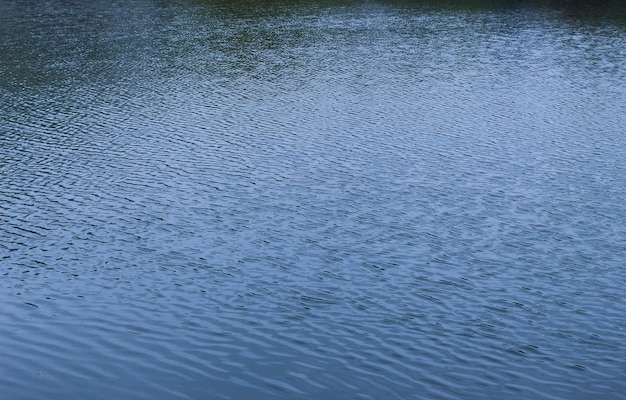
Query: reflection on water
x=312, y=199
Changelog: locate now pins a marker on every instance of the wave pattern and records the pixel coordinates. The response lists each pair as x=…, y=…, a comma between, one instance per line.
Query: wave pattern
x=349, y=202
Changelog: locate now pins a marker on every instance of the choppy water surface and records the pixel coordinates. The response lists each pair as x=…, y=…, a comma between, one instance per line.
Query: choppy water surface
x=311, y=200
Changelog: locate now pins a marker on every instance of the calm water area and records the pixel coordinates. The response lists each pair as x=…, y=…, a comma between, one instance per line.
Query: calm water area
x=312, y=200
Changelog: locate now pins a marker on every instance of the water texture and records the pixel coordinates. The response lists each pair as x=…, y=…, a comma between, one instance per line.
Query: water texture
x=311, y=200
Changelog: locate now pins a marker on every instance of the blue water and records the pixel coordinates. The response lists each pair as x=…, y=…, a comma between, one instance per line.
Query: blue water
x=204, y=199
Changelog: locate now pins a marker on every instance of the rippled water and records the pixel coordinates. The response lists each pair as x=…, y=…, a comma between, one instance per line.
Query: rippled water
x=311, y=200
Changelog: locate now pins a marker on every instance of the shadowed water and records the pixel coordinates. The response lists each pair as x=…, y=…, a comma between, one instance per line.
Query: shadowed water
x=311, y=200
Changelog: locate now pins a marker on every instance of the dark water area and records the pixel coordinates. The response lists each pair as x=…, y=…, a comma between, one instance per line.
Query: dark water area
x=295, y=200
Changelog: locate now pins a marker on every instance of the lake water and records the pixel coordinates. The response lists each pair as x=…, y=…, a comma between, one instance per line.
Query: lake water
x=295, y=200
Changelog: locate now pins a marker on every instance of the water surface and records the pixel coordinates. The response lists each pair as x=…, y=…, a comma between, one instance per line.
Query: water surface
x=311, y=200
